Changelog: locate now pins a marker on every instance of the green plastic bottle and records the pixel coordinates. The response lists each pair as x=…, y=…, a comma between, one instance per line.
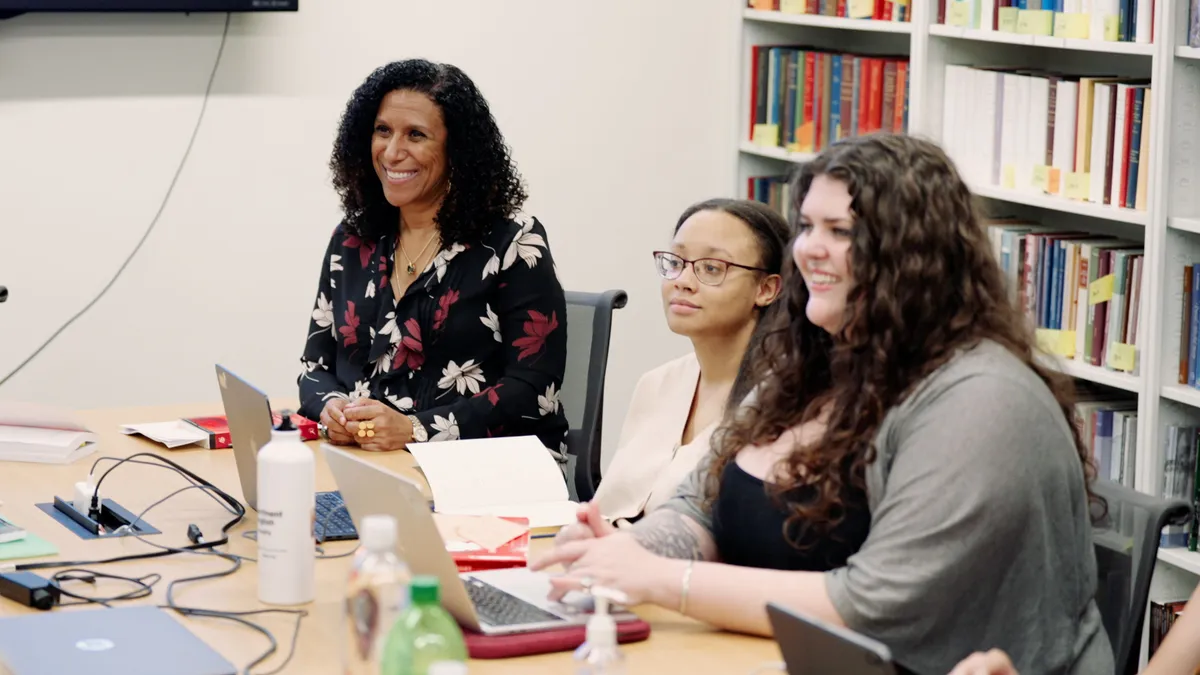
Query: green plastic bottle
x=424, y=634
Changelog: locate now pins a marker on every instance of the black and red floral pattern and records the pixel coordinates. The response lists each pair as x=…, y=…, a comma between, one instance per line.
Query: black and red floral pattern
x=476, y=347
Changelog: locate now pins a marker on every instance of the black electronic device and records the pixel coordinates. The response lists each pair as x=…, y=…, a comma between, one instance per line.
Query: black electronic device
x=29, y=589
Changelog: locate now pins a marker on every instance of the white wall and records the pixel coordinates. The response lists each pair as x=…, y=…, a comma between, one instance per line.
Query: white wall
x=619, y=113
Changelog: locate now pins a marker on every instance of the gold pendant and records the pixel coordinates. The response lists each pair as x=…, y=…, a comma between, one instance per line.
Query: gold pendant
x=411, y=269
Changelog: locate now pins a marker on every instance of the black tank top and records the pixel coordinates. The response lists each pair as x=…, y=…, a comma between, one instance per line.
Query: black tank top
x=748, y=527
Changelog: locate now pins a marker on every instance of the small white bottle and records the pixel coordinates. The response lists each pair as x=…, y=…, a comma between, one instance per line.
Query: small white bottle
x=376, y=593
x=286, y=509
x=599, y=654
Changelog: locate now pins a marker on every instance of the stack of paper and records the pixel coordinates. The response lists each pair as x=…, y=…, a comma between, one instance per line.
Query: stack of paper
x=172, y=434
x=506, y=477
x=44, y=434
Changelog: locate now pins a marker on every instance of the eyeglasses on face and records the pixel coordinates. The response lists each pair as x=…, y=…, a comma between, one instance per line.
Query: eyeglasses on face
x=708, y=271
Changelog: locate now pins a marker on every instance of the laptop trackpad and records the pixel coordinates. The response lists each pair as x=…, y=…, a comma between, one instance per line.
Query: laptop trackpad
x=534, y=587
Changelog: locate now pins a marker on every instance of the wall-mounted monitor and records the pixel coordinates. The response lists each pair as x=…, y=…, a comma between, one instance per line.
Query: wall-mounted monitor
x=14, y=6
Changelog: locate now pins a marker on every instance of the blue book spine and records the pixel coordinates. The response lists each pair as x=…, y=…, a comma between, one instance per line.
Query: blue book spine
x=858, y=86
x=1057, y=285
x=1135, y=144
x=835, y=102
x=1043, y=283
x=1194, y=342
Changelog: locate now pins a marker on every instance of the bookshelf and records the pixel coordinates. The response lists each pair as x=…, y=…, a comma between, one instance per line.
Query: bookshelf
x=1165, y=222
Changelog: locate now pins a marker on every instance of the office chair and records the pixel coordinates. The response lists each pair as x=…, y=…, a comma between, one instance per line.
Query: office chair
x=1126, y=542
x=589, y=326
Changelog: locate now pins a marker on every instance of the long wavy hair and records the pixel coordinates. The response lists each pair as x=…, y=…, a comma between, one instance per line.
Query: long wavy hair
x=927, y=286
x=485, y=187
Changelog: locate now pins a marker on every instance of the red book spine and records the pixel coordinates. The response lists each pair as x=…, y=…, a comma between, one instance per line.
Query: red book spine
x=1130, y=96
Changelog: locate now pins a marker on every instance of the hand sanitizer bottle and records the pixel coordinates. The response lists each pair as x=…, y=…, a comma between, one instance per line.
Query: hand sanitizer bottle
x=599, y=655
x=286, y=510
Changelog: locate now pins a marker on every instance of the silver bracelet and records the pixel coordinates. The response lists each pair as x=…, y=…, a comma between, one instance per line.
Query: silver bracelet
x=687, y=584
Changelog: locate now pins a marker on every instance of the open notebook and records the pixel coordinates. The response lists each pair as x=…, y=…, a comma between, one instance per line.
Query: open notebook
x=513, y=477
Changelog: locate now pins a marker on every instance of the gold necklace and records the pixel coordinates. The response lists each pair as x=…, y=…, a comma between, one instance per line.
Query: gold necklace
x=412, y=268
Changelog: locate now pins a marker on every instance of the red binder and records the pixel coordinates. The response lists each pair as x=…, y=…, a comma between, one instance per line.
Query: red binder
x=481, y=646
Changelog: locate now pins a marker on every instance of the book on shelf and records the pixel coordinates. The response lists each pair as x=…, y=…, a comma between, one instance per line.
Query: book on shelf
x=1107, y=425
x=1082, y=293
x=804, y=99
x=1163, y=615
x=878, y=10
x=774, y=191
x=1179, y=481
x=1076, y=137
x=1189, y=333
x=1102, y=20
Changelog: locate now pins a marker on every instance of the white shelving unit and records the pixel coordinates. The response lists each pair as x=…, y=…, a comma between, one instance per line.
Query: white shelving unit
x=1169, y=226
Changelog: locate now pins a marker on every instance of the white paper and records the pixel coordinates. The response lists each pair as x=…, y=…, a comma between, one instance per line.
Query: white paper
x=512, y=476
x=172, y=434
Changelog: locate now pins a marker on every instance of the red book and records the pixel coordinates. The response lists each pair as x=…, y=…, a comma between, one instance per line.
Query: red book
x=217, y=428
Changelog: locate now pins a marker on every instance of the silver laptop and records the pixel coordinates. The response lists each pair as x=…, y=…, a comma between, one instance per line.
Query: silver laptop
x=118, y=641
x=492, y=602
x=248, y=413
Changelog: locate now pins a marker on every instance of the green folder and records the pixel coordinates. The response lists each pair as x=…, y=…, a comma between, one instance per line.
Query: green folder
x=32, y=546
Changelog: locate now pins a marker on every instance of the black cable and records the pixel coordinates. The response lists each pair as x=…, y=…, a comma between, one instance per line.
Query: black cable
x=144, y=586
x=161, y=207
x=239, y=514
x=127, y=460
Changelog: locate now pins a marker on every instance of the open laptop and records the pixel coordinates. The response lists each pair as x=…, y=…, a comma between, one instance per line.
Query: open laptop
x=813, y=647
x=492, y=602
x=248, y=413
x=118, y=641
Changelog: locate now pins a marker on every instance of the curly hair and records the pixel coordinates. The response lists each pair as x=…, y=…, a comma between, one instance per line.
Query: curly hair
x=927, y=285
x=484, y=184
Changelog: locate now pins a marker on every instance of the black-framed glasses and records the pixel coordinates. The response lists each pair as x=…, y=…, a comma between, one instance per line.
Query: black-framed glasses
x=708, y=271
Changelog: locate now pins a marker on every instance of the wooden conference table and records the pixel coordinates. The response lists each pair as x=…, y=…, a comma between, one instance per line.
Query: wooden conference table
x=677, y=644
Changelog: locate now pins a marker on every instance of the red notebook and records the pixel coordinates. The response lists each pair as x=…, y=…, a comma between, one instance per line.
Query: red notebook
x=480, y=646
x=217, y=428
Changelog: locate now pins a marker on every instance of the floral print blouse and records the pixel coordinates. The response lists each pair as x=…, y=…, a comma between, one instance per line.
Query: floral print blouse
x=476, y=347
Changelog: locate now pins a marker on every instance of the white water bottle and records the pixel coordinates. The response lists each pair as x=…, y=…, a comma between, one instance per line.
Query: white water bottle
x=286, y=509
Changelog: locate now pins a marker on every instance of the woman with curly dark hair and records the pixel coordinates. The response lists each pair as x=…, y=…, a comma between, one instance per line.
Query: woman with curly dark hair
x=901, y=432
x=439, y=314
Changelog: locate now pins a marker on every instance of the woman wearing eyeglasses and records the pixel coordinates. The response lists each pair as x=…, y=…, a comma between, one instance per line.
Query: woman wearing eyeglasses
x=719, y=275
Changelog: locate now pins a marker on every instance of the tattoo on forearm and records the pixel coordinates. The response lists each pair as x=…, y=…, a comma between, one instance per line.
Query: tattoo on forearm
x=667, y=534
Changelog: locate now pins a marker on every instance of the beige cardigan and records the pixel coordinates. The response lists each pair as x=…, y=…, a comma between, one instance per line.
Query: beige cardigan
x=650, y=462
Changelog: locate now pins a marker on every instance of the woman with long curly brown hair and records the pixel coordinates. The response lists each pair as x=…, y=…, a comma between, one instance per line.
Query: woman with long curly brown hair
x=900, y=389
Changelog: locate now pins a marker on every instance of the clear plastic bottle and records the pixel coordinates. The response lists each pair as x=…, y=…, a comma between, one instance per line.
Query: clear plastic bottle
x=376, y=595
x=599, y=654
x=424, y=635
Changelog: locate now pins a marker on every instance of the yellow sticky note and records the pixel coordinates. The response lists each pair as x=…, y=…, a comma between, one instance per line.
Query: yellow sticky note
x=959, y=13
x=1053, y=180
x=793, y=6
x=1035, y=22
x=1101, y=290
x=1122, y=356
x=861, y=9
x=1041, y=177
x=1077, y=185
x=1071, y=25
x=1008, y=178
x=766, y=135
x=1007, y=19
x=1057, y=342
x=1110, y=28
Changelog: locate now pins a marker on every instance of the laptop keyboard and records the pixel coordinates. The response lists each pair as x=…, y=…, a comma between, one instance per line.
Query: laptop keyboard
x=333, y=522
x=498, y=608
